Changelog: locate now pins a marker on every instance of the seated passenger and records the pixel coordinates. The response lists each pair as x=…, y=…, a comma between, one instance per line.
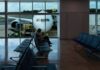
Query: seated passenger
x=45, y=38
x=41, y=37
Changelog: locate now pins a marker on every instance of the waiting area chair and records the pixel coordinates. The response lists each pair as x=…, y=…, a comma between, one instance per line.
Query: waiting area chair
x=28, y=61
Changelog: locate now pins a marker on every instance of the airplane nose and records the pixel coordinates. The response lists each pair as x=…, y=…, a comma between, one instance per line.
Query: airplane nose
x=45, y=22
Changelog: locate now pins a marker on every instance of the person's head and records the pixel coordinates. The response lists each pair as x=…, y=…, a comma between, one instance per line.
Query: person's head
x=39, y=30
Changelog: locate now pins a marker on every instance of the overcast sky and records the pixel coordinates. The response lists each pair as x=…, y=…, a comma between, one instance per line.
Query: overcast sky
x=93, y=4
x=14, y=7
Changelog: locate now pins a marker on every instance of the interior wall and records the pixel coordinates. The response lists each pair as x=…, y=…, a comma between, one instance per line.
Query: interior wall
x=74, y=18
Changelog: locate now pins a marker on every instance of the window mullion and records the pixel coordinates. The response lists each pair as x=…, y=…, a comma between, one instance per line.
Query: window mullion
x=6, y=38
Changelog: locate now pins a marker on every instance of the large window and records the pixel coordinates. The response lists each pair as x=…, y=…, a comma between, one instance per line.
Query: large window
x=24, y=17
x=94, y=17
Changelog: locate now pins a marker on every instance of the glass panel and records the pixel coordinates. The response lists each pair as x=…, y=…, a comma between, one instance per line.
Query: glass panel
x=51, y=25
x=26, y=16
x=13, y=6
x=2, y=26
x=54, y=54
x=92, y=26
x=92, y=19
x=38, y=7
x=98, y=4
x=2, y=50
x=26, y=25
x=98, y=24
x=58, y=25
x=13, y=25
x=26, y=7
x=2, y=7
x=92, y=5
x=19, y=27
x=12, y=45
x=52, y=7
x=26, y=19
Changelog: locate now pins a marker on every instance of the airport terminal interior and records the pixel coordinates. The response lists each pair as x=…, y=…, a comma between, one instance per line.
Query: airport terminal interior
x=69, y=37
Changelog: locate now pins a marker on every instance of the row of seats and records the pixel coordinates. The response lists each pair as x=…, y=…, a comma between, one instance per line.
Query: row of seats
x=20, y=48
x=29, y=61
x=20, y=64
x=91, y=42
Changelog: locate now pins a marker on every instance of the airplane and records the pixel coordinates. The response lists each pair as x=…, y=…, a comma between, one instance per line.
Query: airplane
x=44, y=22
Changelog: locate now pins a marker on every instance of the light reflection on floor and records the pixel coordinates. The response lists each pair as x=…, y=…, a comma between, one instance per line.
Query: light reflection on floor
x=53, y=55
x=13, y=43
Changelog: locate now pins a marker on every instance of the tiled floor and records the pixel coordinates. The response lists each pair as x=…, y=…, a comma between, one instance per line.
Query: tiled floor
x=75, y=57
x=13, y=43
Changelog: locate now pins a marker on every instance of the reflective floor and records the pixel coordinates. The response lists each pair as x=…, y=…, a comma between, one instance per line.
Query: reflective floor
x=13, y=43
